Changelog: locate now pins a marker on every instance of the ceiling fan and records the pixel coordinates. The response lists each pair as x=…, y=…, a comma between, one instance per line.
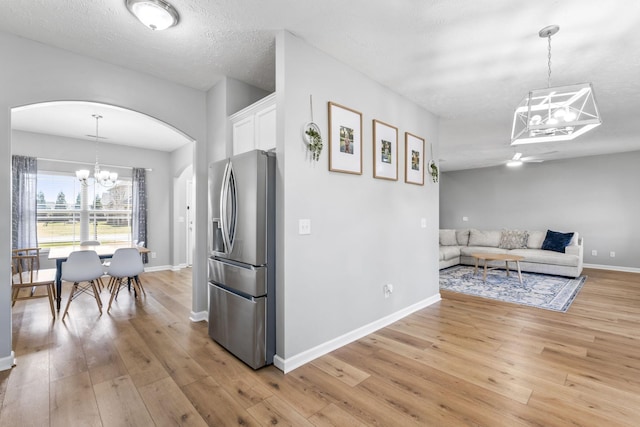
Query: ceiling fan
x=518, y=160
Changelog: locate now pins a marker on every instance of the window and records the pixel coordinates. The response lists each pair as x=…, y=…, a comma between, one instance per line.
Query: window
x=59, y=207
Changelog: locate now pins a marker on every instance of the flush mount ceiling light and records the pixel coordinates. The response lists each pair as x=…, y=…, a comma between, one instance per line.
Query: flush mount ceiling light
x=155, y=14
x=556, y=113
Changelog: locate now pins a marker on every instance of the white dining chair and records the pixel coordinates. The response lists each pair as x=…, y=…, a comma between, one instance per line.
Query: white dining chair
x=126, y=266
x=83, y=269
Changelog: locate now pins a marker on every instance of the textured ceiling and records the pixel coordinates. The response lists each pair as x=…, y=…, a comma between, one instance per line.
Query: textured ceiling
x=469, y=62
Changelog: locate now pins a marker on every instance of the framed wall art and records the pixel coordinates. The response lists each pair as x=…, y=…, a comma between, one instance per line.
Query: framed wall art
x=414, y=159
x=345, y=139
x=385, y=151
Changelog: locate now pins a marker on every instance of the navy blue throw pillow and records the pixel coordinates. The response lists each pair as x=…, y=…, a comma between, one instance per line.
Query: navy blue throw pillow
x=555, y=241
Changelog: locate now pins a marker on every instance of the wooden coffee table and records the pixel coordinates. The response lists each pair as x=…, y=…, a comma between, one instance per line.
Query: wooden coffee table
x=497, y=257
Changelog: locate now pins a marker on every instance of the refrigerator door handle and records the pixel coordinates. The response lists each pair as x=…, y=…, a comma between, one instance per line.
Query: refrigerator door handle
x=224, y=190
x=234, y=207
x=228, y=211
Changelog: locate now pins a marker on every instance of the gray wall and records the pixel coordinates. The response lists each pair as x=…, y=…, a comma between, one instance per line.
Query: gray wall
x=595, y=196
x=32, y=72
x=365, y=232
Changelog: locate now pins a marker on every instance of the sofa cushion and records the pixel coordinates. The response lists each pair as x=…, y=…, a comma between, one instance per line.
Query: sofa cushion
x=468, y=250
x=462, y=236
x=555, y=241
x=535, y=239
x=489, y=238
x=540, y=256
x=513, y=239
x=449, y=252
x=448, y=237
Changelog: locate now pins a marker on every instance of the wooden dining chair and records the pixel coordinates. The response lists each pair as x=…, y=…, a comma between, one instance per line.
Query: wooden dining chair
x=27, y=274
x=84, y=269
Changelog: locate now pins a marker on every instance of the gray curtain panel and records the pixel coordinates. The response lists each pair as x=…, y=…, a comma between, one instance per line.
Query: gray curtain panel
x=24, y=215
x=139, y=206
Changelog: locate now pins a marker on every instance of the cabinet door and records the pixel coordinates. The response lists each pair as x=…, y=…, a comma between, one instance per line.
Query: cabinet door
x=243, y=135
x=265, y=127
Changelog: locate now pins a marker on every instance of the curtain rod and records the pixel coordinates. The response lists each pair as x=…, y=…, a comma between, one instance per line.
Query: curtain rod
x=74, y=162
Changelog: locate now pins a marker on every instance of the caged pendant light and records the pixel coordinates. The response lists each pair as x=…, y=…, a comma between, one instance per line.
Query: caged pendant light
x=556, y=113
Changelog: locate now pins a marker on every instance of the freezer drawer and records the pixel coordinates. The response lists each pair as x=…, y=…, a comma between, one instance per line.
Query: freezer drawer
x=239, y=325
x=246, y=279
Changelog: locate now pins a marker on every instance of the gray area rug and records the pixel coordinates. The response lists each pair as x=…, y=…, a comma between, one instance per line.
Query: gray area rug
x=537, y=290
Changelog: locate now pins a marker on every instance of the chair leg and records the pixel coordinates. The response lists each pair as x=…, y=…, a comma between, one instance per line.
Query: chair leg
x=139, y=282
x=50, y=293
x=115, y=289
x=14, y=296
x=96, y=295
x=73, y=289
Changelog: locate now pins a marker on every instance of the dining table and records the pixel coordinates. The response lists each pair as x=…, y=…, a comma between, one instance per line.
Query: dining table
x=61, y=253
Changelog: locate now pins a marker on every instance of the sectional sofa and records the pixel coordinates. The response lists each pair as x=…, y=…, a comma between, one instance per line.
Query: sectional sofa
x=542, y=254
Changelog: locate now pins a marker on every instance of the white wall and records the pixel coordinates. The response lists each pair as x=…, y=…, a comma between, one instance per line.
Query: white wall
x=595, y=196
x=365, y=232
x=32, y=72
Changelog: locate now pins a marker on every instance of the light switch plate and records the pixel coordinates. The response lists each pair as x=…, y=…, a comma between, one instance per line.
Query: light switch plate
x=304, y=226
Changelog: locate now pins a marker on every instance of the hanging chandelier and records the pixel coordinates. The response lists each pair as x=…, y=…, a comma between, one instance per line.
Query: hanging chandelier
x=105, y=178
x=556, y=113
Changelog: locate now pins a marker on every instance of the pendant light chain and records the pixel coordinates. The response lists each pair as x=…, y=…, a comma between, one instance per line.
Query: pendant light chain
x=97, y=167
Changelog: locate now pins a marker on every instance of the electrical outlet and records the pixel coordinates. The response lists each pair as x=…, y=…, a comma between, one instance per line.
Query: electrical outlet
x=153, y=254
x=423, y=222
x=388, y=290
x=612, y=254
x=465, y=218
x=304, y=226
x=594, y=253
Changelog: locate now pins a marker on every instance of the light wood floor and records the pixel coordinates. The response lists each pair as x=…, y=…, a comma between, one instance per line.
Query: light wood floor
x=462, y=361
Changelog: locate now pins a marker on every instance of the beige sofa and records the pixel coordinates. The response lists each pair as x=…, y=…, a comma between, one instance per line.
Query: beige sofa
x=456, y=247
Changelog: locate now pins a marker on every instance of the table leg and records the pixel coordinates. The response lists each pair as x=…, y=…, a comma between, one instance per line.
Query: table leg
x=59, y=282
x=475, y=270
x=507, y=264
x=484, y=275
x=519, y=272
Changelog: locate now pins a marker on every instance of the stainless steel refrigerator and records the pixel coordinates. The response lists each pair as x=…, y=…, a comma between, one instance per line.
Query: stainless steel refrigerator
x=242, y=256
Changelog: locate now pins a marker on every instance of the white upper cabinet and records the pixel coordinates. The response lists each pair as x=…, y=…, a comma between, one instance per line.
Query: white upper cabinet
x=254, y=127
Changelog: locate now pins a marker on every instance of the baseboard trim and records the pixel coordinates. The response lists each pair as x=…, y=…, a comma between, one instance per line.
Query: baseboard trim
x=291, y=363
x=8, y=362
x=199, y=316
x=179, y=267
x=157, y=268
x=612, y=268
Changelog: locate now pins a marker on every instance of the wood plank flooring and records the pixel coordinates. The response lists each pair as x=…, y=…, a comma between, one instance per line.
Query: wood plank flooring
x=462, y=361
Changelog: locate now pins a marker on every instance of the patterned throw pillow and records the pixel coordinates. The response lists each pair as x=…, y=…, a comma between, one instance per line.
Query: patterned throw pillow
x=513, y=239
